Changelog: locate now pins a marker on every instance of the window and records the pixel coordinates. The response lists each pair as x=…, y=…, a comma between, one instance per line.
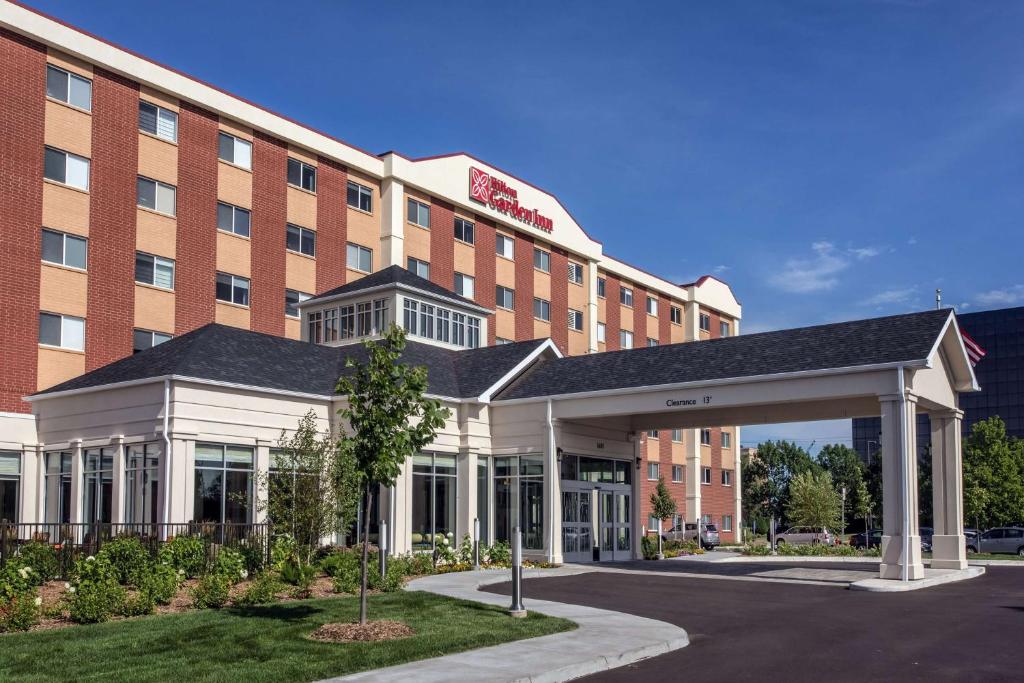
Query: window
x=57, y=484
x=706, y=519
x=434, y=493
x=301, y=174
x=233, y=219
x=435, y=322
x=705, y=475
x=292, y=299
x=154, y=270
x=360, y=258
x=68, y=87
x=652, y=433
x=705, y=322
x=364, y=319
x=575, y=320
x=498, y=341
x=676, y=315
x=651, y=341
x=233, y=289
x=726, y=522
x=301, y=240
x=602, y=284
x=518, y=499
x=235, y=150
x=419, y=214
x=360, y=197
x=147, y=339
x=62, y=331
x=505, y=245
x=465, y=285
x=421, y=268
x=653, y=471
x=464, y=231
x=677, y=473
x=10, y=482
x=505, y=297
x=626, y=339
x=575, y=273
x=67, y=168
x=155, y=195
x=381, y=318
x=601, y=330
x=142, y=483
x=726, y=477
x=472, y=332
x=541, y=309
x=626, y=296
x=63, y=249
x=98, y=482
x=541, y=260
x=158, y=121
x=726, y=440
x=409, y=321
x=723, y=329
x=223, y=484
x=705, y=437
x=677, y=435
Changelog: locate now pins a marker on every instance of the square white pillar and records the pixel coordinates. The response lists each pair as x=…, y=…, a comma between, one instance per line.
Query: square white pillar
x=899, y=489
x=693, y=474
x=737, y=484
x=948, y=544
x=117, y=484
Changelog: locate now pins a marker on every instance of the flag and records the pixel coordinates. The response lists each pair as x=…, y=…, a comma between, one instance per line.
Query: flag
x=974, y=350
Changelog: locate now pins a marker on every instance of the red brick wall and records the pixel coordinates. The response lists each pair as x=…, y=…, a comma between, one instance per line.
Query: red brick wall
x=524, y=287
x=196, y=243
x=331, y=224
x=442, y=243
x=110, y=309
x=560, y=299
x=484, y=267
x=639, y=317
x=269, y=214
x=22, y=103
x=612, y=314
x=664, y=321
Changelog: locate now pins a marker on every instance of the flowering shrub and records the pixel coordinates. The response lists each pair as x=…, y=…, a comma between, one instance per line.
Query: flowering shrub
x=230, y=564
x=20, y=612
x=187, y=553
x=42, y=558
x=212, y=591
x=464, y=555
x=499, y=554
x=97, y=595
x=16, y=579
x=444, y=553
x=128, y=558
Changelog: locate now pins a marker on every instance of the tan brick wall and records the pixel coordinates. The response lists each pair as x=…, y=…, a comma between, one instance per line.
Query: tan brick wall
x=62, y=290
x=68, y=128
x=233, y=255
x=155, y=233
x=301, y=208
x=58, y=365
x=236, y=316
x=158, y=159
x=154, y=309
x=300, y=273
x=65, y=209
x=234, y=185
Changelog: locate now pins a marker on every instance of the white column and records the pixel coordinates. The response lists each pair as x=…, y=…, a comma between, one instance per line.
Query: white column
x=592, y=306
x=465, y=497
x=638, y=524
x=117, y=485
x=899, y=489
x=76, y=482
x=392, y=235
x=552, y=476
x=180, y=485
x=737, y=487
x=29, y=488
x=260, y=492
x=402, y=522
x=948, y=546
x=693, y=473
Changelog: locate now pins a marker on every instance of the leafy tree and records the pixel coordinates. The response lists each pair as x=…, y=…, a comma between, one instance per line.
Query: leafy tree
x=874, y=483
x=663, y=505
x=390, y=420
x=813, y=500
x=993, y=470
x=767, y=475
x=845, y=466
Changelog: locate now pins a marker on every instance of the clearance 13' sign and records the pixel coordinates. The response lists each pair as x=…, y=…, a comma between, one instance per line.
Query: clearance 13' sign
x=687, y=402
x=497, y=194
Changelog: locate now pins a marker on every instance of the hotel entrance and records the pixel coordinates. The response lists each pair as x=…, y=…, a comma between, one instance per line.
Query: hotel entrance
x=596, y=509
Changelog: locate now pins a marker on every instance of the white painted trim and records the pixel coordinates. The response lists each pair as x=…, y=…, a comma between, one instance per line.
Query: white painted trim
x=963, y=349
x=18, y=416
x=520, y=366
x=396, y=285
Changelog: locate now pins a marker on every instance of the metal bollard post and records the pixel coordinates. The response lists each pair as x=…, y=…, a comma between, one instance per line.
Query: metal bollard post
x=517, y=609
x=476, y=544
x=382, y=545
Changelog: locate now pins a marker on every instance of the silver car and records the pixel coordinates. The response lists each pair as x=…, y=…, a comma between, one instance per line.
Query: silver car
x=1004, y=539
x=805, y=535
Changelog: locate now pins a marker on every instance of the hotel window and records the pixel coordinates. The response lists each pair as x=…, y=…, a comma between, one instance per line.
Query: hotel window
x=726, y=522
x=359, y=258
x=233, y=289
x=98, y=481
x=483, y=498
x=505, y=246
x=411, y=309
x=57, y=485
x=726, y=440
x=464, y=231
x=154, y=270
x=68, y=87
x=360, y=197
x=223, y=484
x=575, y=273
x=300, y=240
x=651, y=341
x=419, y=213
x=142, y=483
x=602, y=284
x=505, y=297
x=723, y=329
x=292, y=299
x=421, y=268
x=163, y=123
x=472, y=332
x=541, y=260
x=705, y=322
x=575, y=320
x=707, y=519
x=626, y=296
x=339, y=323
x=601, y=330
x=653, y=471
x=63, y=249
x=10, y=482
x=705, y=437
x=234, y=150
x=705, y=475
x=541, y=309
x=726, y=477
x=316, y=327
x=519, y=499
x=465, y=285
x=676, y=315
x=157, y=196
x=498, y=341
x=652, y=433
x=233, y=219
x=625, y=339
x=677, y=473
x=677, y=435
x=301, y=174
x=652, y=306
x=147, y=339
x=457, y=334
x=381, y=318
x=364, y=319
x=67, y=168
x=434, y=495
x=62, y=331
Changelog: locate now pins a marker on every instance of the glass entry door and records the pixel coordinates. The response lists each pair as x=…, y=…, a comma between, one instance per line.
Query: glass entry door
x=596, y=523
x=614, y=515
x=577, y=525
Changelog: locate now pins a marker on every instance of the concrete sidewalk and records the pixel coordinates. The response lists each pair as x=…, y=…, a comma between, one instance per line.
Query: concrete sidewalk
x=603, y=640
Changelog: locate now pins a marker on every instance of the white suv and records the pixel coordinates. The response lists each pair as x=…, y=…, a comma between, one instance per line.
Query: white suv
x=805, y=535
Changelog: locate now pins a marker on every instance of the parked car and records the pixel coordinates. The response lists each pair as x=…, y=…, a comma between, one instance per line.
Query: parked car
x=926, y=538
x=971, y=539
x=708, y=535
x=867, y=539
x=1004, y=539
x=805, y=535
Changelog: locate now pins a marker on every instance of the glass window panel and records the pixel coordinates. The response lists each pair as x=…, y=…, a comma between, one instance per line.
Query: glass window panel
x=241, y=222
x=147, y=117
x=292, y=238
x=226, y=147
x=167, y=125
x=56, y=84
x=225, y=217
x=444, y=464
x=55, y=164
x=53, y=247
x=294, y=172
x=80, y=94
x=164, y=275
x=208, y=495
x=531, y=465
x=142, y=340
x=73, y=333
x=243, y=153
x=240, y=291
x=422, y=462
x=165, y=198
x=10, y=463
x=208, y=455
x=147, y=193
x=223, y=287
x=74, y=252
x=237, y=498
x=144, y=268
x=78, y=172
x=238, y=457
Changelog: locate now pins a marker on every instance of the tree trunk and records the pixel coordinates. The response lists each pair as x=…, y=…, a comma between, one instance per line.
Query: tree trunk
x=366, y=553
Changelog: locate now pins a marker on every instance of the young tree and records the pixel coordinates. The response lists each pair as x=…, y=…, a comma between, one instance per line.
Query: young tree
x=389, y=421
x=663, y=506
x=847, y=470
x=993, y=471
x=767, y=475
x=813, y=501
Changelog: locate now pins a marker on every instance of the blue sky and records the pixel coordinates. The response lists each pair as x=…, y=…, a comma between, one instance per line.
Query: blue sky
x=830, y=160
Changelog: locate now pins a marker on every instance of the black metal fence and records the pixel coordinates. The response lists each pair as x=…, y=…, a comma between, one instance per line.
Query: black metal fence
x=75, y=541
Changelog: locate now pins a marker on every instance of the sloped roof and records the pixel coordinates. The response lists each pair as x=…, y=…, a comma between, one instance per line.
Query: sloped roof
x=394, y=275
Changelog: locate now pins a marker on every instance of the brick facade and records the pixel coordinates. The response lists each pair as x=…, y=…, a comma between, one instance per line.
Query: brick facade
x=442, y=243
x=639, y=317
x=331, y=224
x=560, y=299
x=613, y=313
x=269, y=216
x=524, y=288
x=484, y=261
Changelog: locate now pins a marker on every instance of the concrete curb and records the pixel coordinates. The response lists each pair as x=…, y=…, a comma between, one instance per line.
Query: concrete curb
x=603, y=639
x=756, y=559
x=932, y=577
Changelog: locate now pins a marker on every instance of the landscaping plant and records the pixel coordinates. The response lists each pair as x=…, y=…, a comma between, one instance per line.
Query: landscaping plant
x=42, y=558
x=187, y=553
x=97, y=595
x=128, y=558
x=212, y=592
x=263, y=590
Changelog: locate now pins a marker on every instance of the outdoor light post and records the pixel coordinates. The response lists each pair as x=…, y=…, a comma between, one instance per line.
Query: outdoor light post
x=843, y=532
x=382, y=543
x=476, y=543
x=517, y=609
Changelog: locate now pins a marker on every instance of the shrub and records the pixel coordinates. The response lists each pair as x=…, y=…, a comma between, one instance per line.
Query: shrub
x=760, y=550
x=389, y=583
x=464, y=555
x=16, y=579
x=262, y=590
x=230, y=564
x=283, y=548
x=444, y=553
x=97, y=595
x=414, y=564
x=187, y=553
x=649, y=547
x=499, y=554
x=43, y=560
x=160, y=583
x=20, y=612
x=254, y=552
x=346, y=580
x=298, y=573
x=339, y=561
x=211, y=592
x=137, y=604
x=128, y=558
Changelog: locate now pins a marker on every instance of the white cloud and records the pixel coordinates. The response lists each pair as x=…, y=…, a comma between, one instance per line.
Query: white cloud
x=821, y=270
x=912, y=241
x=890, y=296
x=718, y=270
x=865, y=252
x=1008, y=296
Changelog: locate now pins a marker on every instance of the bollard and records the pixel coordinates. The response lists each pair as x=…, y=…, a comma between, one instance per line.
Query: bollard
x=382, y=544
x=476, y=544
x=517, y=609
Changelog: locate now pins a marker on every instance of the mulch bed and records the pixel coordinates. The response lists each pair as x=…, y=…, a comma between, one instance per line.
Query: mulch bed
x=362, y=633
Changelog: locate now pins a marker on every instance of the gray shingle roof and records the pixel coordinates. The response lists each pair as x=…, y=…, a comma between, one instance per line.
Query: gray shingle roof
x=228, y=354
x=394, y=275
x=893, y=339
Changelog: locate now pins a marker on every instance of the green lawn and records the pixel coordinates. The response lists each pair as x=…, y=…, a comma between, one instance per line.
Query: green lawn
x=260, y=643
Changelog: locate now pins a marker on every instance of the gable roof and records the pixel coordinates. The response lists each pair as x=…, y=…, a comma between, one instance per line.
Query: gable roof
x=908, y=338
x=399, y=277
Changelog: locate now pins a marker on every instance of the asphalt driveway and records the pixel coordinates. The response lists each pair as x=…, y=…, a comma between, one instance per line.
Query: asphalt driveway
x=764, y=631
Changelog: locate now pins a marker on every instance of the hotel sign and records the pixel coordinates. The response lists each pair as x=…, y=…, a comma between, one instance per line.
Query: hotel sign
x=500, y=196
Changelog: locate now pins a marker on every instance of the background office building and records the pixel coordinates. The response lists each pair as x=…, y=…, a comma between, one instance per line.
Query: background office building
x=138, y=204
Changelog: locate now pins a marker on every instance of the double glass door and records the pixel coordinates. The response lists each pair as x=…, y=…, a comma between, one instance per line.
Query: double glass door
x=596, y=522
